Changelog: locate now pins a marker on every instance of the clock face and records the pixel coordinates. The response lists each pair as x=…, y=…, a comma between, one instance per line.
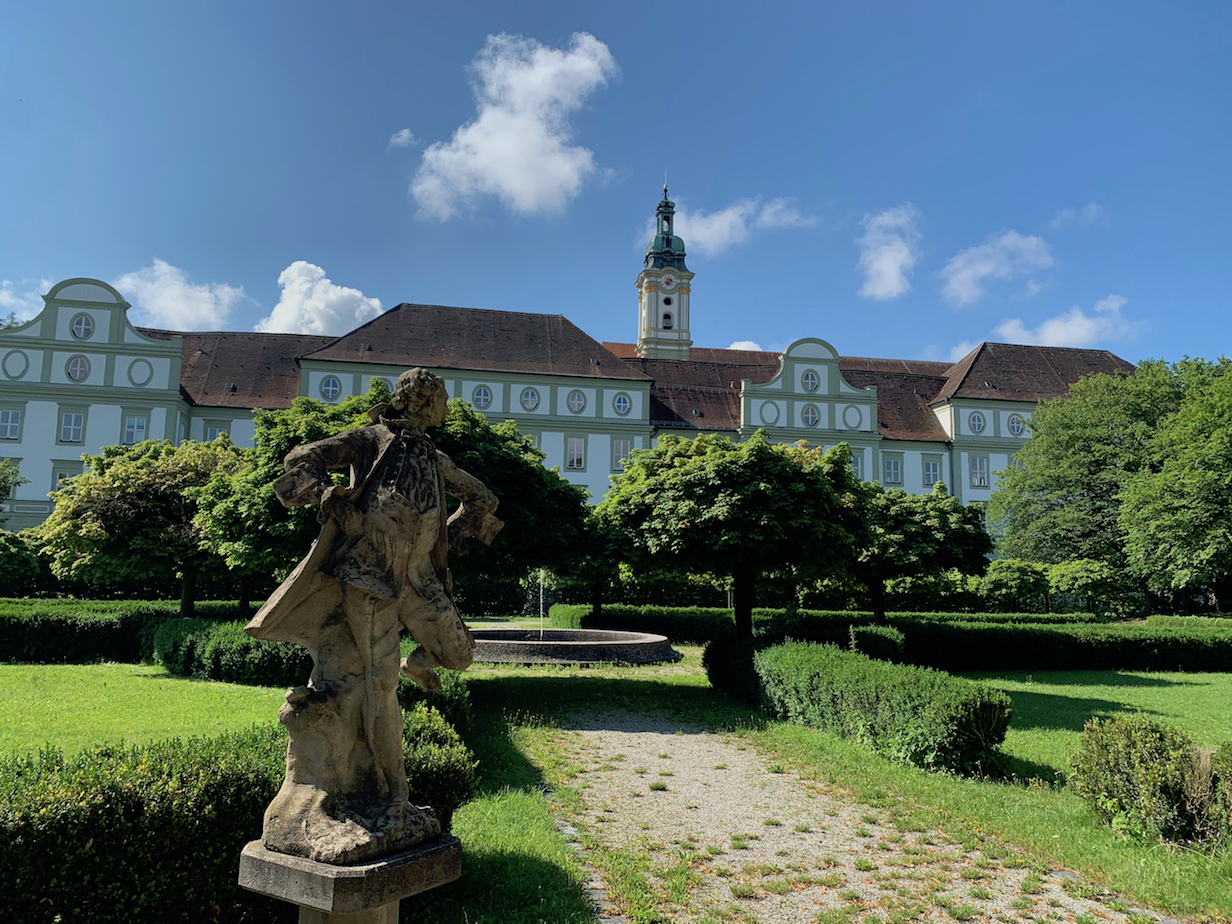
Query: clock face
x=669, y=281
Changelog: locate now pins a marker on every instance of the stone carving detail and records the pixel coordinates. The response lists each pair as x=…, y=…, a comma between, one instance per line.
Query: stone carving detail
x=378, y=566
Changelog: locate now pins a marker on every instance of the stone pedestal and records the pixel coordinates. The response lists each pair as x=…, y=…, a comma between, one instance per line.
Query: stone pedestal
x=366, y=893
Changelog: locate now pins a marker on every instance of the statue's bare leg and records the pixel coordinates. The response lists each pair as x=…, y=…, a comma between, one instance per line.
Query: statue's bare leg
x=444, y=641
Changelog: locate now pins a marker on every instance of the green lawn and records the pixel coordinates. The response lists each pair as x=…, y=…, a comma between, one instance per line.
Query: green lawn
x=1051, y=708
x=76, y=705
x=509, y=831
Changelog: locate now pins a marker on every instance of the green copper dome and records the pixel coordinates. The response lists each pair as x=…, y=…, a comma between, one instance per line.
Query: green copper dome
x=665, y=248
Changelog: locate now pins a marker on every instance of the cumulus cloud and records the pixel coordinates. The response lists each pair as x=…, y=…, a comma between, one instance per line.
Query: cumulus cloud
x=1002, y=256
x=888, y=251
x=23, y=300
x=1076, y=328
x=745, y=345
x=517, y=147
x=403, y=138
x=953, y=354
x=710, y=233
x=311, y=304
x=1085, y=216
x=162, y=296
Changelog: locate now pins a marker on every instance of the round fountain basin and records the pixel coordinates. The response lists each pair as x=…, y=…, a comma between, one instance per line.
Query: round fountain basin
x=571, y=646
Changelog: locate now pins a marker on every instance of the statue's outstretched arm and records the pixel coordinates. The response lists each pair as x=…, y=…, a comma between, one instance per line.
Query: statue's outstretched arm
x=475, y=516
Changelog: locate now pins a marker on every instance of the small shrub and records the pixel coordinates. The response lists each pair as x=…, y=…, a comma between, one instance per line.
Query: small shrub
x=441, y=771
x=885, y=643
x=728, y=662
x=453, y=701
x=915, y=715
x=1150, y=781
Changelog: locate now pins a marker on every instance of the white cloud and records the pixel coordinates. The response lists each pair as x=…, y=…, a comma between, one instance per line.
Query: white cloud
x=1076, y=328
x=517, y=147
x=311, y=304
x=745, y=345
x=888, y=251
x=1002, y=256
x=959, y=350
x=403, y=138
x=22, y=299
x=162, y=296
x=953, y=354
x=1085, y=216
x=710, y=233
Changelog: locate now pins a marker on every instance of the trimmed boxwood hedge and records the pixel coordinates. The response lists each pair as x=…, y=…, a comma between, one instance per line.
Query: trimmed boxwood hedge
x=120, y=834
x=955, y=641
x=911, y=714
x=41, y=631
x=213, y=650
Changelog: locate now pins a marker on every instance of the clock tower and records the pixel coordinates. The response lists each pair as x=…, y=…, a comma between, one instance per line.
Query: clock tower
x=663, y=292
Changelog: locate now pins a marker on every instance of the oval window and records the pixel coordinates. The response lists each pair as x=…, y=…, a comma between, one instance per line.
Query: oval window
x=1017, y=425
x=577, y=401
x=622, y=404
x=82, y=326
x=481, y=397
x=78, y=369
x=810, y=415
x=530, y=399
x=976, y=421
x=809, y=381
x=331, y=388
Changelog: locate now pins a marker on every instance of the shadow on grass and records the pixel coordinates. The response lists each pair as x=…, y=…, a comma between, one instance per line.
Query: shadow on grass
x=501, y=886
x=1068, y=713
x=1081, y=678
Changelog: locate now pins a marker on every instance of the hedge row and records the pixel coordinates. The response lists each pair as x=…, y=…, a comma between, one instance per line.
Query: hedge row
x=37, y=631
x=213, y=650
x=953, y=641
x=911, y=714
x=121, y=834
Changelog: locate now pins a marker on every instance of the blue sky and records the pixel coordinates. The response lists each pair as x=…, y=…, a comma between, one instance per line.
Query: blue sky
x=900, y=179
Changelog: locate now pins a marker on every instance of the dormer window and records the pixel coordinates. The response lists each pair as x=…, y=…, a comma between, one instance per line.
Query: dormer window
x=667, y=320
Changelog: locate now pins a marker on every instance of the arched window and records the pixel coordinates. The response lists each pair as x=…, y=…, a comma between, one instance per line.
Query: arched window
x=667, y=320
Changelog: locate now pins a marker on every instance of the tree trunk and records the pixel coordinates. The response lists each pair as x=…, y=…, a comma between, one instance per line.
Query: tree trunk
x=188, y=591
x=744, y=593
x=596, y=599
x=245, y=597
x=876, y=599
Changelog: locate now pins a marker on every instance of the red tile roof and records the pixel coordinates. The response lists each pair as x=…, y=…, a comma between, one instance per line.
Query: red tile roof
x=263, y=369
x=479, y=339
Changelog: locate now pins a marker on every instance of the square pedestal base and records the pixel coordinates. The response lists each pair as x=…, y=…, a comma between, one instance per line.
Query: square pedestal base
x=344, y=894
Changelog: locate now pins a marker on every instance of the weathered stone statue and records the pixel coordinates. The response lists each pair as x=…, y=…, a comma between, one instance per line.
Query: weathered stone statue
x=378, y=566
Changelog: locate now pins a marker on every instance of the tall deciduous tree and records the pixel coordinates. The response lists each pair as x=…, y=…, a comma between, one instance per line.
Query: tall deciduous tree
x=915, y=534
x=244, y=522
x=1058, y=500
x=130, y=515
x=1177, y=514
x=738, y=510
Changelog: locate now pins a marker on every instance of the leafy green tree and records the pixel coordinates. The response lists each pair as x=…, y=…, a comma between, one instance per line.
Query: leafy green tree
x=10, y=478
x=1177, y=514
x=910, y=535
x=130, y=515
x=1015, y=586
x=739, y=510
x=19, y=566
x=1059, y=499
x=242, y=520
x=1098, y=587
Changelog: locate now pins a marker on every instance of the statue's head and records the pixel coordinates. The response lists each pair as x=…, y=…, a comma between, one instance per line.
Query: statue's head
x=421, y=397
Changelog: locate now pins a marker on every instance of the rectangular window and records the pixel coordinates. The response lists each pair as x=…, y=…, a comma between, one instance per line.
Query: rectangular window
x=215, y=428
x=134, y=430
x=893, y=471
x=72, y=427
x=979, y=471
x=62, y=471
x=10, y=425
x=621, y=449
x=575, y=454
x=857, y=465
x=932, y=473
x=181, y=429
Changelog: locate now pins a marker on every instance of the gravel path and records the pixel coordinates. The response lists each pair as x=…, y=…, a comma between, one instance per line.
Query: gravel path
x=761, y=844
